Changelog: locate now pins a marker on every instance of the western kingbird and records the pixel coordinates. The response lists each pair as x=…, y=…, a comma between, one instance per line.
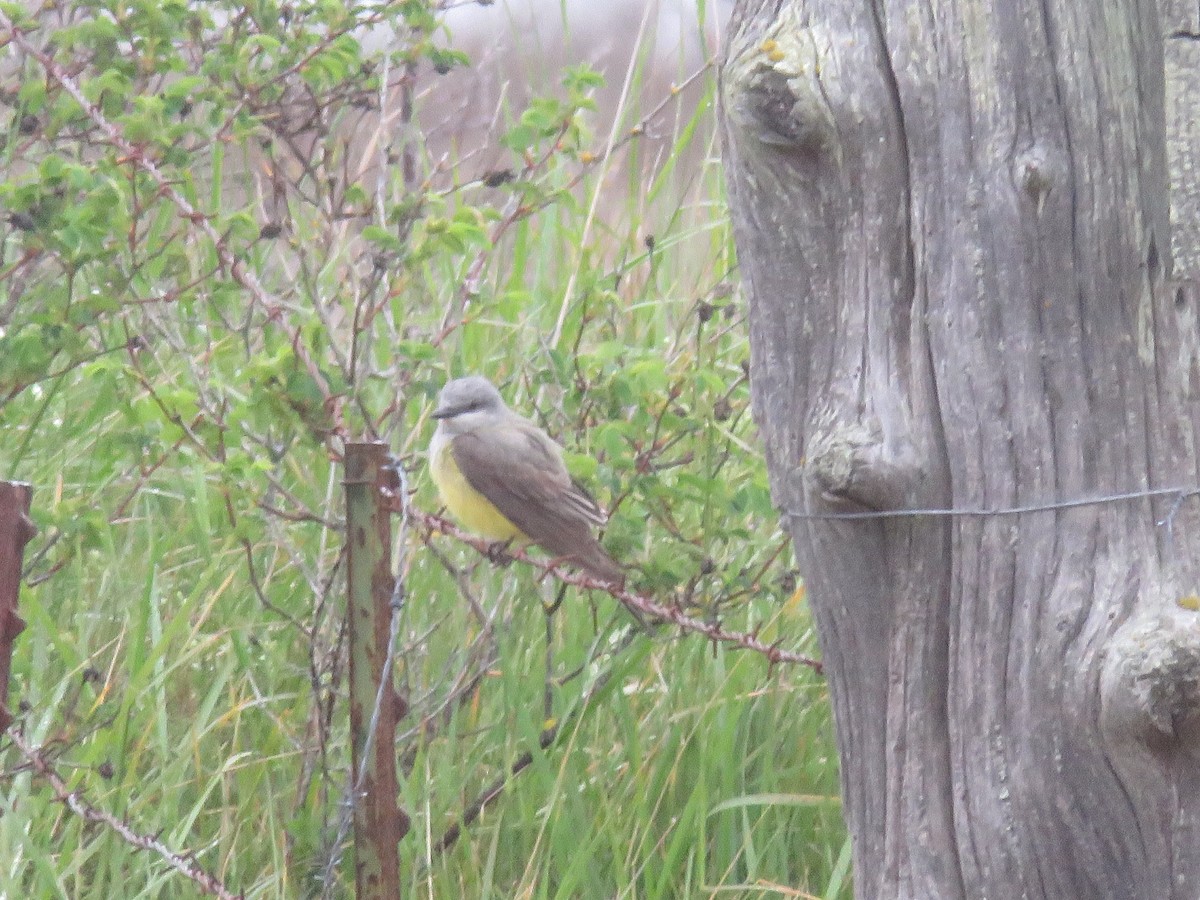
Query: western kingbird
x=503, y=477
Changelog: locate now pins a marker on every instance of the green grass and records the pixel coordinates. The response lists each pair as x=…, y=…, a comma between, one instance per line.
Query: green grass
x=184, y=664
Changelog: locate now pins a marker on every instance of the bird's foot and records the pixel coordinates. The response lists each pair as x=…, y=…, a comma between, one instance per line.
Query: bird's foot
x=498, y=555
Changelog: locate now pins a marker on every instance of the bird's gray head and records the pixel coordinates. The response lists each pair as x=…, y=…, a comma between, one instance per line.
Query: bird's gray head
x=467, y=403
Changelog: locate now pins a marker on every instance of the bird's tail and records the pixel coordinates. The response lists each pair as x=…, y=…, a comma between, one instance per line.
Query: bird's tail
x=597, y=563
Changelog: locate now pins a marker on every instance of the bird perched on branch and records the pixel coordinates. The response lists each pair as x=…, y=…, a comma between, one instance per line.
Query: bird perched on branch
x=503, y=478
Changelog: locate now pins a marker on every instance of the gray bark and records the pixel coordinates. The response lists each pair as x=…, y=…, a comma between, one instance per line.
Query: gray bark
x=952, y=219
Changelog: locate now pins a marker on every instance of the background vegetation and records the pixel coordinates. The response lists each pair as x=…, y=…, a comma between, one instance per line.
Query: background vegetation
x=224, y=251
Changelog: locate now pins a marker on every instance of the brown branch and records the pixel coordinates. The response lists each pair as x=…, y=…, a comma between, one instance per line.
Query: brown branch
x=547, y=737
x=492, y=791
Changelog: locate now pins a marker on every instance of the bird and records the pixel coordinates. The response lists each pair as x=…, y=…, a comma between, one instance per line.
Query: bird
x=502, y=477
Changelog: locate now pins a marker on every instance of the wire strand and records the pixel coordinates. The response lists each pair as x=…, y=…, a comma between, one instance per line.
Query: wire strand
x=1179, y=493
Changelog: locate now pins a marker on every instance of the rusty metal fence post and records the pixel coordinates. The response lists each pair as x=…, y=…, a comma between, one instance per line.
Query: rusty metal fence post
x=15, y=531
x=379, y=823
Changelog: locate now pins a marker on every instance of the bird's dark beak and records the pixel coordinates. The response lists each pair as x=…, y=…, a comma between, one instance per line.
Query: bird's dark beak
x=446, y=412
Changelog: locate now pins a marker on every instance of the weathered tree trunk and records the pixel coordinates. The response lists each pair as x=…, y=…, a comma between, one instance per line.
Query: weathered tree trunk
x=952, y=219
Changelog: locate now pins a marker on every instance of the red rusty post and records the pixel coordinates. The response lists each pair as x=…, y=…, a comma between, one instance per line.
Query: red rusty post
x=15, y=531
x=379, y=823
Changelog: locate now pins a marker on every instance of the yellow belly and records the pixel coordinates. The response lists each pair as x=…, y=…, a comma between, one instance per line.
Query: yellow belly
x=473, y=510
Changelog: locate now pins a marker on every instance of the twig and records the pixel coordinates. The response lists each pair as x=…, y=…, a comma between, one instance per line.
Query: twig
x=522, y=762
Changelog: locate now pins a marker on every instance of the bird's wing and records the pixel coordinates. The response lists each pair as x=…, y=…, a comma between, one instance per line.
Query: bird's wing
x=521, y=472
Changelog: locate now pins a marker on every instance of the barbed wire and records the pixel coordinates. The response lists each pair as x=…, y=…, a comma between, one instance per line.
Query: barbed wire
x=183, y=862
x=671, y=614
